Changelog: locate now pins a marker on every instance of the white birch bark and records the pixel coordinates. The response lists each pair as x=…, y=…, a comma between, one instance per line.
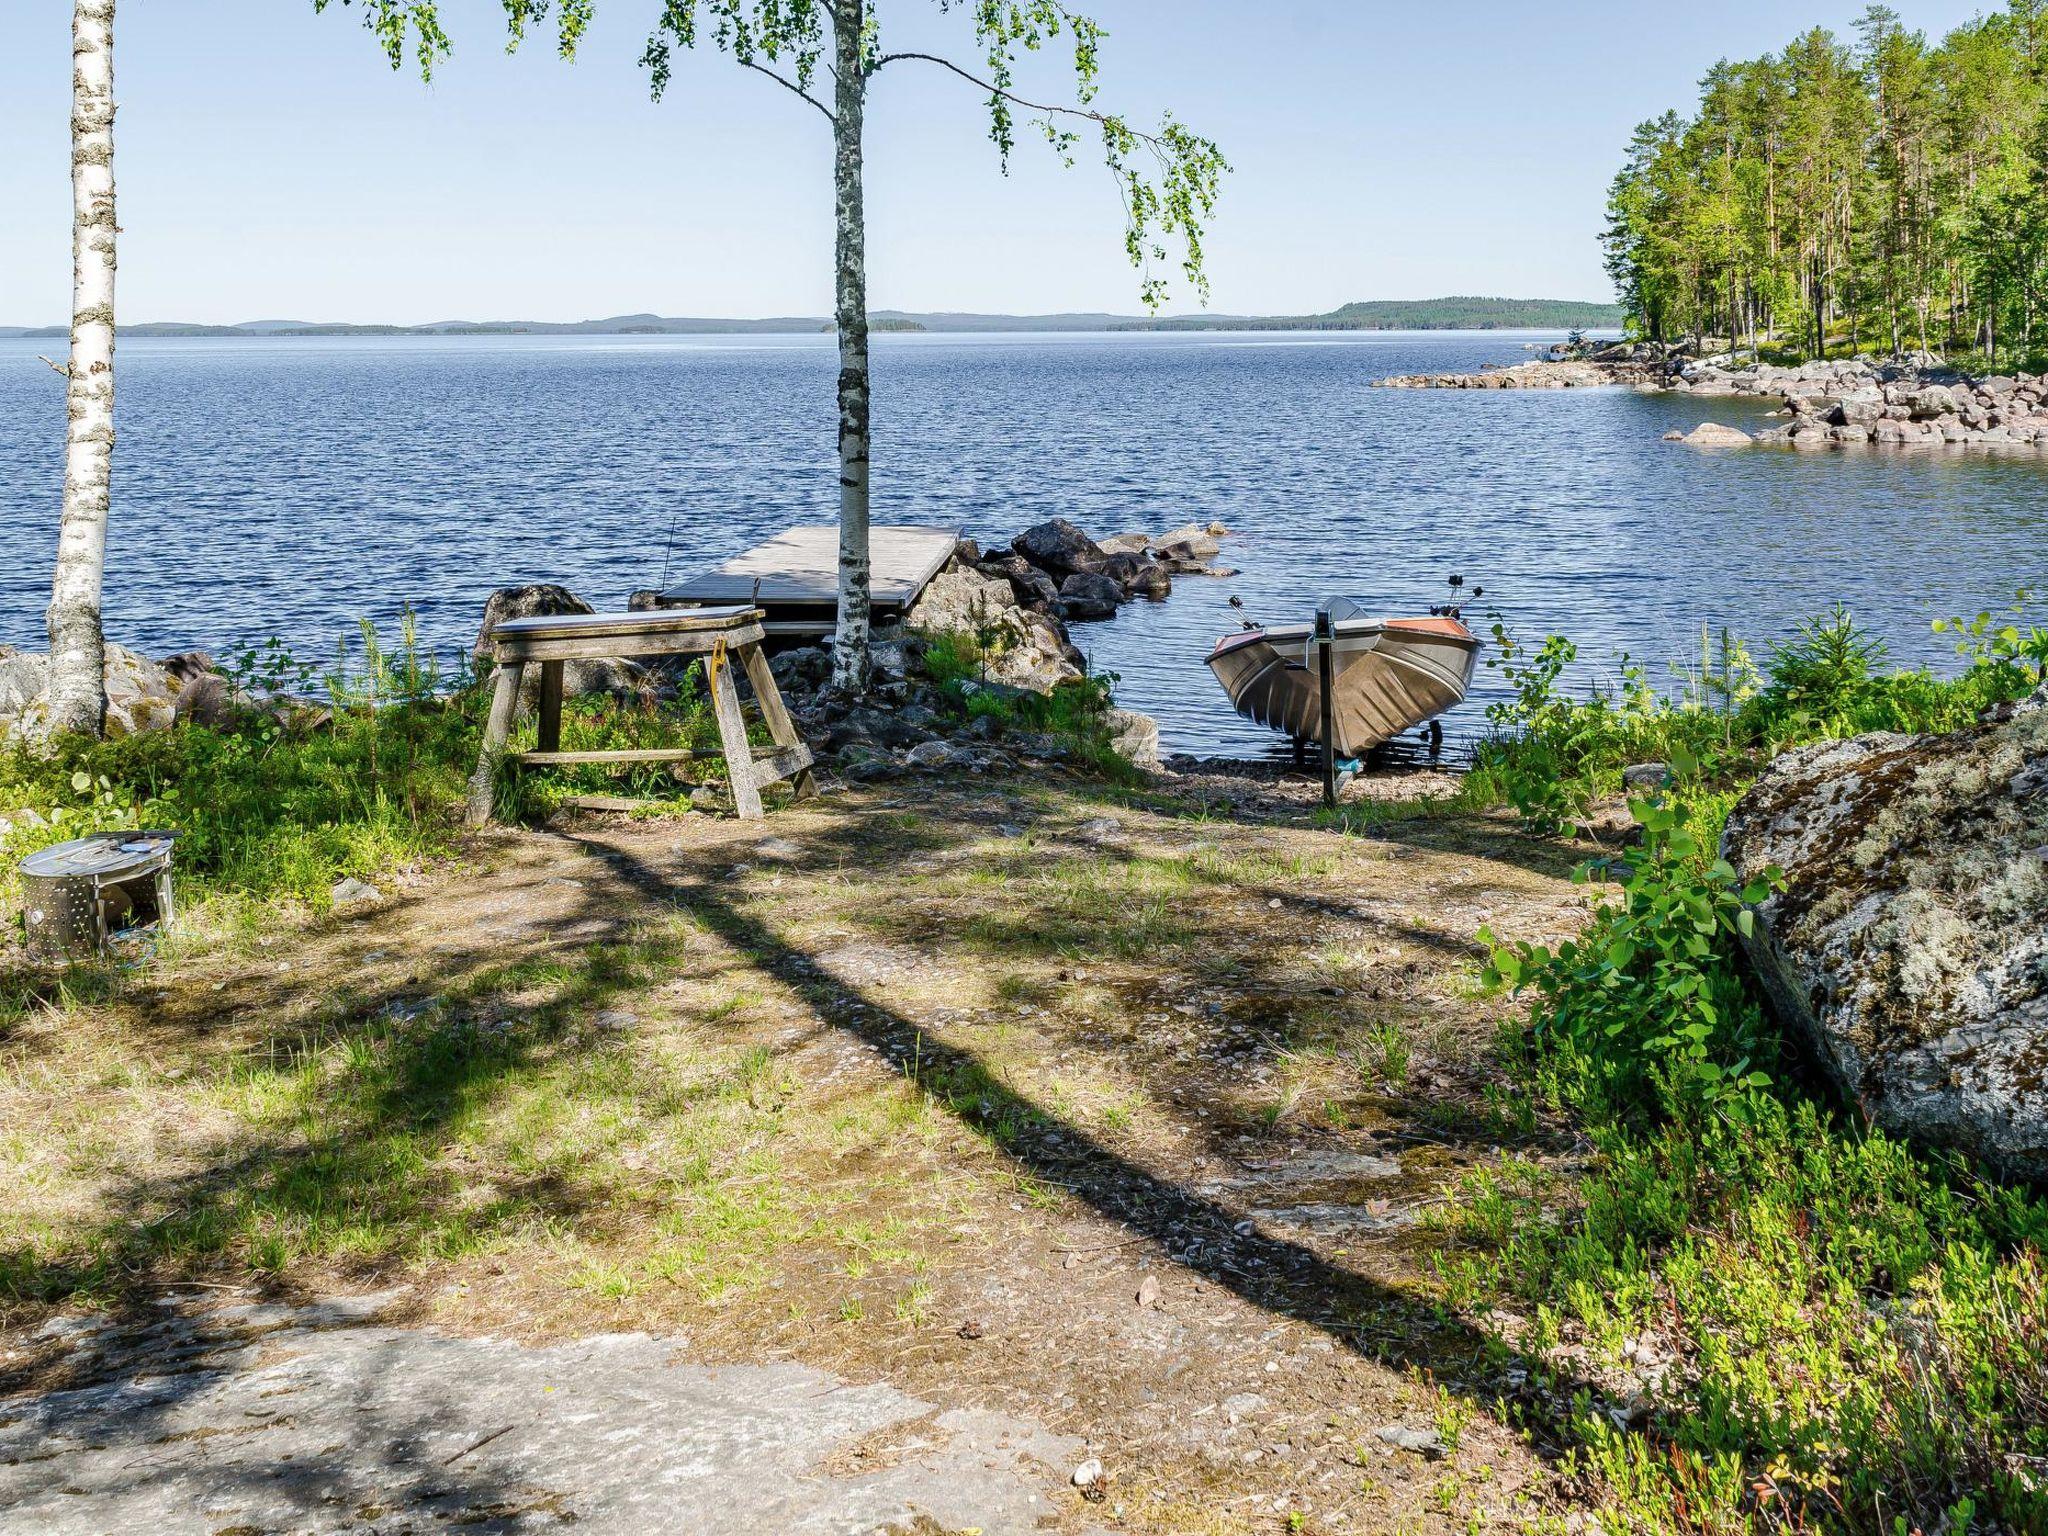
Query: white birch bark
x=77, y=696
x=850, y=649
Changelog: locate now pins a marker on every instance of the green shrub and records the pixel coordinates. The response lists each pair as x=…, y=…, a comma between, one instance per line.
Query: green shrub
x=1646, y=1012
x=1075, y=713
x=1551, y=755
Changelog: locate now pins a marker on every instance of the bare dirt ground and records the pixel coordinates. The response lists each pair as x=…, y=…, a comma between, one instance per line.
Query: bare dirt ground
x=1128, y=1117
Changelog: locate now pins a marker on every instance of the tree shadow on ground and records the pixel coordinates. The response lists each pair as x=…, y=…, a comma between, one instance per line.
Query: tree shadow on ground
x=426, y=1049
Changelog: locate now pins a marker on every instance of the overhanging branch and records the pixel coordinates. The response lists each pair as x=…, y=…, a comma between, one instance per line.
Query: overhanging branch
x=792, y=87
x=1013, y=98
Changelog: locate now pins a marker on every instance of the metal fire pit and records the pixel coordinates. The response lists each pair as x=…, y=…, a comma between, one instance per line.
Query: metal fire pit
x=76, y=894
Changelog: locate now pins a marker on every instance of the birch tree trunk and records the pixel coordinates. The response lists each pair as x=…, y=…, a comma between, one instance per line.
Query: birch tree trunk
x=77, y=698
x=850, y=649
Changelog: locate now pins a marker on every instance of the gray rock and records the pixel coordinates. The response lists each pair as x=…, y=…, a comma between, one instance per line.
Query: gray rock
x=279, y=1419
x=1125, y=544
x=186, y=665
x=1423, y=1442
x=1195, y=541
x=141, y=695
x=961, y=600
x=1910, y=945
x=23, y=677
x=928, y=754
x=212, y=701
x=546, y=600
x=1712, y=434
x=1085, y=596
x=1030, y=586
x=1135, y=736
x=1058, y=546
x=352, y=892
x=1646, y=775
x=1139, y=575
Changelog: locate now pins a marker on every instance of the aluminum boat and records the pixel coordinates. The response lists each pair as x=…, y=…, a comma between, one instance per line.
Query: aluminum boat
x=1389, y=675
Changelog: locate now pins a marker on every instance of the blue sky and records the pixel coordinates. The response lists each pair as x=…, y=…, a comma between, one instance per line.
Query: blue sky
x=271, y=166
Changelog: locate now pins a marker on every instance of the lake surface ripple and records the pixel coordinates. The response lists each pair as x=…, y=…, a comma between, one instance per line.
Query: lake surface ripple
x=292, y=487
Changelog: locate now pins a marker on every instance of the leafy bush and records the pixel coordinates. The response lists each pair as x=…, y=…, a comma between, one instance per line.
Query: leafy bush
x=282, y=801
x=1646, y=1012
x=1075, y=713
x=1552, y=755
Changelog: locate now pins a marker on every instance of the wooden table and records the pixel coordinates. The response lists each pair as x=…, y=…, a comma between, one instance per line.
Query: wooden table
x=724, y=636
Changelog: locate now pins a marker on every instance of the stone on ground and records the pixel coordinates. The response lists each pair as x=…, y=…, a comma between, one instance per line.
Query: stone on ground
x=1910, y=945
x=268, y=1419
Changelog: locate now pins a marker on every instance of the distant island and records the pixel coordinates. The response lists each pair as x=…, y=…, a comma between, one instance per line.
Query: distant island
x=1448, y=314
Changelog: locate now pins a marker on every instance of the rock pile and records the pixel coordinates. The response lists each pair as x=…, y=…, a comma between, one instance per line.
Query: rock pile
x=1910, y=944
x=1894, y=403
x=1569, y=374
x=1016, y=605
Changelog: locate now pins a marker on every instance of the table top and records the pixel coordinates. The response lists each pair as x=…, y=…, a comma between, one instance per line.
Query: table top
x=653, y=621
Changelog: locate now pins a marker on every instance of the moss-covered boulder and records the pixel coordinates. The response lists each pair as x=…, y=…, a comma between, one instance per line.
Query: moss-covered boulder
x=141, y=696
x=1910, y=944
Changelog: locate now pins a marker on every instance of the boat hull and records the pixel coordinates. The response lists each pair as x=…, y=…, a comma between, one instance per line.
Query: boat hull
x=1390, y=675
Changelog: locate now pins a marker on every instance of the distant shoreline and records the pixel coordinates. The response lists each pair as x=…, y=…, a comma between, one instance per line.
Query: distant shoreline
x=1447, y=314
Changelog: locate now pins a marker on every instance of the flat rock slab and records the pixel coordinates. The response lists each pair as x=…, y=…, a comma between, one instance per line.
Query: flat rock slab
x=262, y=1420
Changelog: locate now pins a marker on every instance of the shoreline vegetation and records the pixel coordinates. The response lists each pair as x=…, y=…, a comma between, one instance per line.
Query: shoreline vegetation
x=1838, y=197
x=1457, y=313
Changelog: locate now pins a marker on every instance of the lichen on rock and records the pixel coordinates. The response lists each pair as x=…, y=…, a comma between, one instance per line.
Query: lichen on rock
x=1910, y=944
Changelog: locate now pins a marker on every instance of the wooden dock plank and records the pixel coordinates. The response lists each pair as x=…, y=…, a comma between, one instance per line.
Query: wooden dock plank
x=801, y=566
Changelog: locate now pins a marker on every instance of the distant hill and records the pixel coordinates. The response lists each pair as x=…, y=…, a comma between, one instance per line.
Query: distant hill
x=1451, y=314
x=1463, y=313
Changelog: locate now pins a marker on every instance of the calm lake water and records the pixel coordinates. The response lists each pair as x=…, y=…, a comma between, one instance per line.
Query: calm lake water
x=291, y=487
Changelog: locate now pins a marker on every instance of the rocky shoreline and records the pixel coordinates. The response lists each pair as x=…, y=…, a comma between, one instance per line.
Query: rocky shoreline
x=1899, y=403
x=1546, y=373
x=1014, y=604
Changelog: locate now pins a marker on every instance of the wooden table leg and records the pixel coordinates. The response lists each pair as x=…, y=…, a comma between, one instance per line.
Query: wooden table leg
x=781, y=730
x=550, y=706
x=732, y=735
x=497, y=731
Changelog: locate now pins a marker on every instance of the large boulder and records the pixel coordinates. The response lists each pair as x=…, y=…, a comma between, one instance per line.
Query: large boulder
x=23, y=677
x=1910, y=944
x=1085, y=595
x=1020, y=648
x=610, y=674
x=960, y=599
x=141, y=696
x=1135, y=736
x=1028, y=584
x=1196, y=541
x=1138, y=574
x=1058, y=546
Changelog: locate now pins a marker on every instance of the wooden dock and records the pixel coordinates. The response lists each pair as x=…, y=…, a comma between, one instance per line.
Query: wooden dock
x=794, y=577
